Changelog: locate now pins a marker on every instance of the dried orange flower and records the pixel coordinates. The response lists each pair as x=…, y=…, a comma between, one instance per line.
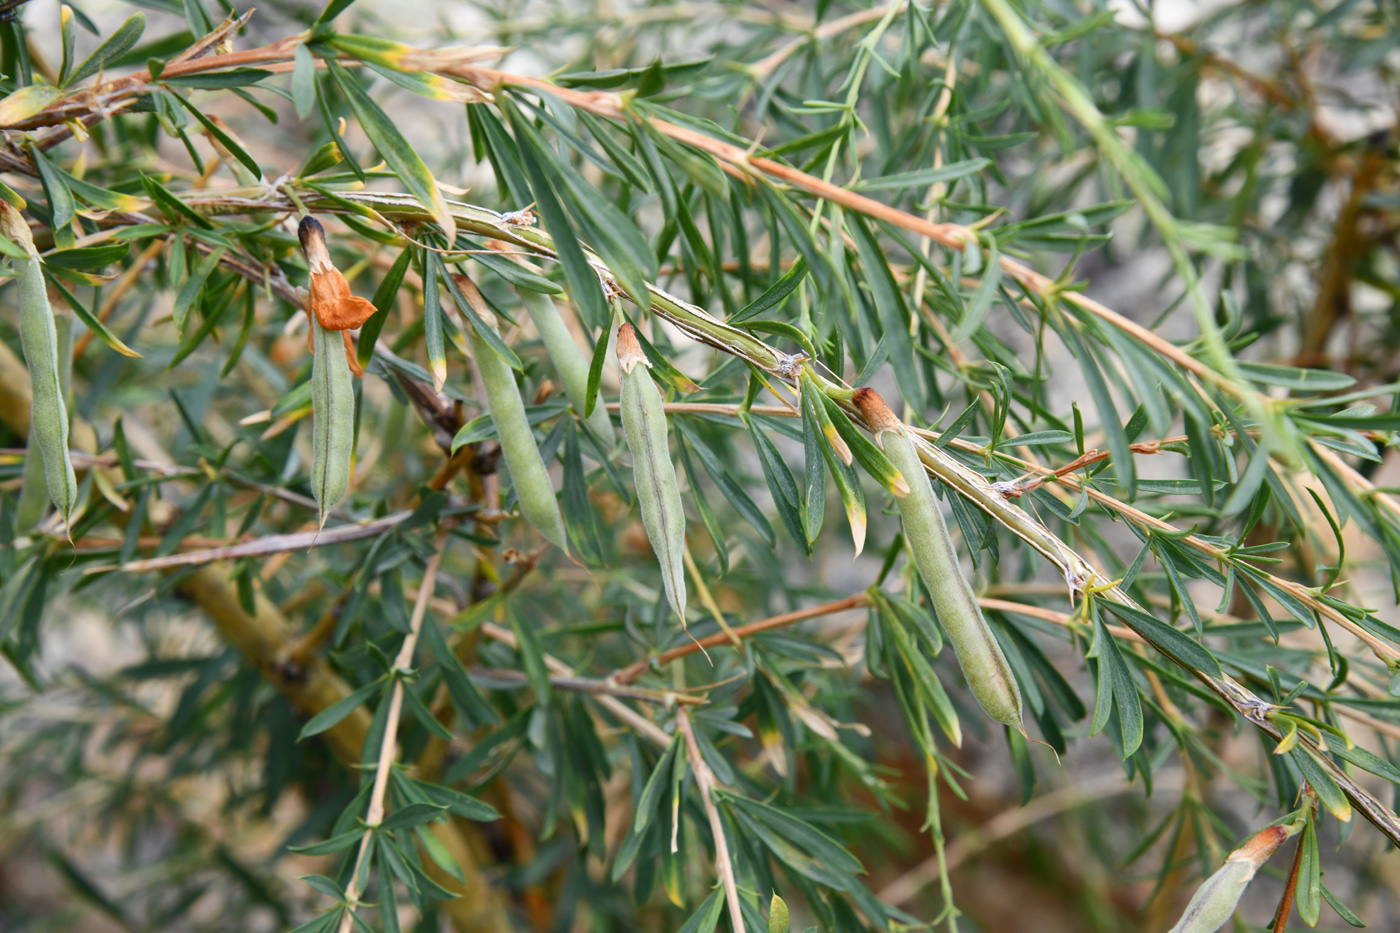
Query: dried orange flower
x=335, y=307
x=330, y=299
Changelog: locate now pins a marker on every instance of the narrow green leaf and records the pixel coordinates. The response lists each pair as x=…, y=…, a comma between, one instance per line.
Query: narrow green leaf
x=56, y=192
x=383, y=302
x=814, y=488
x=173, y=207
x=838, y=460
x=893, y=313
x=1343, y=911
x=922, y=178
x=734, y=492
x=702, y=505
x=303, y=81
x=976, y=311
x=517, y=275
x=1124, y=469
x=661, y=369
x=331, y=10
x=775, y=295
x=781, y=486
x=1291, y=377
x=115, y=46
x=583, y=281
x=871, y=458
x=1171, y=642
x=579, y=518
x=1317, y=777
x=533, y=657
x=409, y=816
x=228, y=141
x=706, y=916
x=1116, y=689
x=1309, y=888
x=655, y=789
x=402, y=158
x=88, y=257
x=91, y=322
x=193, y=286
x=595, y=372
x=469, y=701
x=486, y=332
x=338, y=710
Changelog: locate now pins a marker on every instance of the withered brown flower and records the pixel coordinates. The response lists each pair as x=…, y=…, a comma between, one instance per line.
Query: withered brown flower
x=330, y=298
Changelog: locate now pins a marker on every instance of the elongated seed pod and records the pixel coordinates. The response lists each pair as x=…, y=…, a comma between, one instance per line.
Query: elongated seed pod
x=644, y=424
x=34, y=490
x=983, y=663
x=48, y=422
x=533, y=489
x=332, y=420
x=1215, y=900
x=569, y=361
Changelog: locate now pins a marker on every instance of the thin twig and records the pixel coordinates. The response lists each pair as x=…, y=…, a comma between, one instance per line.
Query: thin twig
x=270, y=544
x=633, y=671
x=403, y=663
x=705, y=781
x=644, y=727
x=762, y=69
x=590, y=686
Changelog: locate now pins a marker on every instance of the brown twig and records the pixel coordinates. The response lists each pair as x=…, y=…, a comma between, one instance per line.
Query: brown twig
x=630, y=673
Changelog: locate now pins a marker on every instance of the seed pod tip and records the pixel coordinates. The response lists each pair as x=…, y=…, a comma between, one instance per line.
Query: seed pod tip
x=877, y=414
x=629, y=350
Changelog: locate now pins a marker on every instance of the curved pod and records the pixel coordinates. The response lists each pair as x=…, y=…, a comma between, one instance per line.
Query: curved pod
x=644, y=424
x=332, y=420
x=983, y=663
x=569, y=361
x=48, y=423
x=533, y=489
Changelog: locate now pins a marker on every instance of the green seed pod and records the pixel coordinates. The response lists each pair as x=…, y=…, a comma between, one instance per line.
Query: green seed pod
x=569, y=361
x=644, y=424
x=1215, y=900
x=48, y=421
x=533, y=489
x=333, y=419
x=34, y=490
x=983, y=663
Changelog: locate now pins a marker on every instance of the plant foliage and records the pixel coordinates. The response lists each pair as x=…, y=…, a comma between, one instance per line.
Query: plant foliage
x=1176, y=515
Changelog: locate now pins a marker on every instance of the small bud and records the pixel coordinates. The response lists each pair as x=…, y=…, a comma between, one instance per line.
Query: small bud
x=629, y=351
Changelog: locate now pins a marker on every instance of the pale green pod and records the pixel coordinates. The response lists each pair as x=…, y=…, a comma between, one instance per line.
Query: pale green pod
x=644, y=424
x=1216, y=899
x=533, y=488
x=34, y=490
x=983, y=664
x=569, y=361
x=48, y=421
x=332, y=419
